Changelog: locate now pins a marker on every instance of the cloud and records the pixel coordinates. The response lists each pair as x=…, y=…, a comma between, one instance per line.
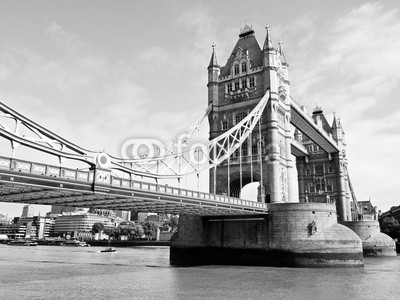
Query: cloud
x=355, y=59
x=83, y=97
x=152, y=58
x=63, y=38
x=349, y=63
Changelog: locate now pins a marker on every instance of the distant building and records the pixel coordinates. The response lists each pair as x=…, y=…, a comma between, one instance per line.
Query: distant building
x=4, y=219
x=11, y=230
x=27, y=211
x=153, y=218
x=28, y=227
x=124, y=215
x=134, y=216
x=79, y=225
x=103, y=212
x=58, y=210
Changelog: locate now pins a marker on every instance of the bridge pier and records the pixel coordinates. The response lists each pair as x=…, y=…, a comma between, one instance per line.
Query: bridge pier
x=291, y=235
x=374, y=242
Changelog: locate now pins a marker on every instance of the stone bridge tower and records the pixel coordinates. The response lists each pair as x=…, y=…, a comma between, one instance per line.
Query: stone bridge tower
x=322, y=176
x=234, y=90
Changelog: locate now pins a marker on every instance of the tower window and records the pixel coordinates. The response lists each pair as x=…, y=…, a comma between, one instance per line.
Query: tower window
x=254, y=149
x=308, y=171
x=224, y=125
x=329, y=186
x=240, y=117
x=320, y=186
x=252, y=82
x=237, y=85
x=244, y=83
x=315, y=149
x=244, y=67
x=236, y=69
x=245, y=150
x=311, y=188
x=319, y=170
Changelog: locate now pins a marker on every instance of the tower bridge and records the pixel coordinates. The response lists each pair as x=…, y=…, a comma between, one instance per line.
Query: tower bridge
x=258, y=133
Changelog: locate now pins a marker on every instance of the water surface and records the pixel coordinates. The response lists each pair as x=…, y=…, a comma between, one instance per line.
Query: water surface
x=55, y=272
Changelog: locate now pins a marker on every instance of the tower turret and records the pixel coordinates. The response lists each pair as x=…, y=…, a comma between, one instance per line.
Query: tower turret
x=269, y=64
x=336, y=131
x=213, y=75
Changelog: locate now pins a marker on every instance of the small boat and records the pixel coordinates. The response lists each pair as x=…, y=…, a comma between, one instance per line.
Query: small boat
x=110, y=249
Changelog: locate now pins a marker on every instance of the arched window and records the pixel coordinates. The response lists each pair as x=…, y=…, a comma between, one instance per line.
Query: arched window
x=240, y=117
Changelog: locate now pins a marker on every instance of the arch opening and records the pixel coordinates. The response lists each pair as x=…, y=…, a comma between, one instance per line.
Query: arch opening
x=246, y=188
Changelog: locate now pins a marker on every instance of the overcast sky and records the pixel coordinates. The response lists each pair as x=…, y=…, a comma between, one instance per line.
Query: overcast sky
x=100, y=72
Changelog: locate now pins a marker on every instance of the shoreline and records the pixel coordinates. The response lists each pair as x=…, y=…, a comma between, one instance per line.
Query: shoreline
x=128, y=243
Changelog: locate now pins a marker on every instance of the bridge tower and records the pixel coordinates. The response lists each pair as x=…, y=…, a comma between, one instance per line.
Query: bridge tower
x=322, y=175
x=234, y=90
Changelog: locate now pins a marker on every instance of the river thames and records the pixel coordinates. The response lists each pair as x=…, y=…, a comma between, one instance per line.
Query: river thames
x=55, y=272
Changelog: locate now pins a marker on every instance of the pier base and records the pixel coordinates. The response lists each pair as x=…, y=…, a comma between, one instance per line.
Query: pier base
x=291, y=235
x=374, y=242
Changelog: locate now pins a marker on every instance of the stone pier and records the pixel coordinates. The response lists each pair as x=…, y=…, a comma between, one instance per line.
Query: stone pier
x=291, y=235
x=374, y=242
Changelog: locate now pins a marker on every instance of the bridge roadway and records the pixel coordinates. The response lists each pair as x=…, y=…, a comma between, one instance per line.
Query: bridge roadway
x=36, y=183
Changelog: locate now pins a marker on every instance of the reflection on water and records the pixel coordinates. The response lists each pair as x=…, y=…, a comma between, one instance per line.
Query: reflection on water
x=48, y=272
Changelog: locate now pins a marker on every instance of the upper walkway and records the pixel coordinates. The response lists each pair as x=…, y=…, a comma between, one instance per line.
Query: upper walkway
x=306, y=124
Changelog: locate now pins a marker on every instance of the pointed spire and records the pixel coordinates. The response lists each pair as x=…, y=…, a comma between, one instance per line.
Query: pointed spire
x=334, y=123
x=282, y=55
x=268, y=43
x=213, y=60
x=340, y=125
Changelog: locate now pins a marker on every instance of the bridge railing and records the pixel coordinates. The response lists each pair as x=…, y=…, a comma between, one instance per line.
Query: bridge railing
x=39, y=169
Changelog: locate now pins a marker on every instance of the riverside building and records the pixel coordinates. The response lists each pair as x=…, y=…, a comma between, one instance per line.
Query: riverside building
x=79, y=225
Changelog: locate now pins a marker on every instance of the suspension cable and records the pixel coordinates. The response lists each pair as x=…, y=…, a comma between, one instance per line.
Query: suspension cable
x=240, y=170
x=215, y=171
x=261, y=166
x=229, y=177
x=251, y=162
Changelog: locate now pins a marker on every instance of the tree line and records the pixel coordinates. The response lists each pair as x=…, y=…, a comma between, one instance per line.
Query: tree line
x=131, y=230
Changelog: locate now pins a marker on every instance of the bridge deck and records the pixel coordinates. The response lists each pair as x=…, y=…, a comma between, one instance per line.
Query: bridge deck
x=26, y=182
